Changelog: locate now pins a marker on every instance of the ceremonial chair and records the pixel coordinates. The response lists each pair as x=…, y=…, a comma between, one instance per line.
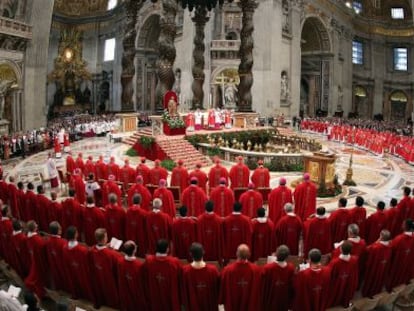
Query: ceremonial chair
x=238, y=192
x=176, y=191
x=265, y=193
x=365, y=304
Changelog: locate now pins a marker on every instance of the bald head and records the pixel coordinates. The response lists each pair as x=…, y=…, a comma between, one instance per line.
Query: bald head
x=243, y=252
x=385, y=235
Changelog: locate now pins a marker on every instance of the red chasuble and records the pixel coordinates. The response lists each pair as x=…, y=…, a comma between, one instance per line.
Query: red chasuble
x=20, y=254
x=237, y=229
x=339, y=219
x=70, y=165
x=80, y=164
x=144, y=171
x=358, y=248
x=305, y=199
x=143, y=192
x=42, y=203
x=79, y=186
x=4, y=191
x=92, y=219
x=240, y=286
x=12, y=195
x=54, y=212
x=312, y=289
x=101, y=170
x=108, y=188
x=72, y=213
x=288, y=231
x=201, y=177
x=36, y=280
x=162, y=276
x=344, y=281
x=6, y=231
x=358, y=216
x=184, y=233
x=21, y=202
x=393, y=224
x=210, y=235
x=200, y=288
x=54, y=251
x=317, y=234
x=278, y=197
x=239, y=176
x=251, y=200
x=158, y=226
x=113, y=169
x=179, y=177
x=130, y=285
x=167, y=198
x=135, y=227
x=195, y=199
x=89, y=168
x=30, y=205
x=156, y=174
x=376, y=267
x=216, y=172
x=373, y=225
x=261, y=177
x=223, y=199
x=404, y=207
x=115, y=221
x=277, y=288
x=262, y=238
x=103, y=268
x=126, y=175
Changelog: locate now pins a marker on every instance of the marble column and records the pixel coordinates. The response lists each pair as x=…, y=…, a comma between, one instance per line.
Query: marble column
x=310, y=111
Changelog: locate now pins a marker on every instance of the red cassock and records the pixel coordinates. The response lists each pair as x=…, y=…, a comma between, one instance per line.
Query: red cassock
x=240, y=286
x=201, y=177
x=251, y=200
x=4, y=191
x=162, y=274
x=401, y=262
x=223, y=199
x=130, y=285
x=239, y=176
x=262, y=238
x=277, y=288
x=126, y=175
x=157, y=173
x=393, y=224
x=54, y=212
x=135, y=227
x=108, y=188
x=30, y=205
x=78, y=282
x=72, y=214
x=12, y=195
x=79, y=186
x=92, y=218
x=404, y=207
x=167, y=198
x=195, y=199
x=261, y=177
x=344, y=281
x=103, y=269
x=374, y=224
x=89, y=168
x=158, y=226
x=376, y=268
x=80, y=164
x=216, y=172
x=278, y=197
x=145, y=194
x=237, y=229
x=144, y=171
x=6, y=231
x=184, y=233
x=317, y=234
x=113, y=169
x=54, y=251
x=305, y=199
x=339, y=219
x=36, y=280
x=312, y=289
x=115, y=221
x=358, y=216
x=20, y=254
x=287, y=231
x=179, y=178
x=21, y=202
x=209, y=232
x=200, y=288
x=101, y=170
x=358, y=249
x=70, y=165
x=42, y=203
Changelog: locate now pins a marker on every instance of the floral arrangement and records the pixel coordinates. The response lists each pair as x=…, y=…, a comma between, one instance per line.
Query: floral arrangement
x=173, y=122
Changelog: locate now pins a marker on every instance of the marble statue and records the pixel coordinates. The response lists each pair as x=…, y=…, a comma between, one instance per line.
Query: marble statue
x=230, y=95
x=284, y=87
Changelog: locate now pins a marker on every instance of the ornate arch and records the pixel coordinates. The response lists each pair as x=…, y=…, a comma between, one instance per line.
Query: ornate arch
x=315, y=34
x=10, y=70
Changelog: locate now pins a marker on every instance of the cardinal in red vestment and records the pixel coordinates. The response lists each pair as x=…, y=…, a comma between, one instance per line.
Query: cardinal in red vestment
x=101, y=169
x=240, y=283
x=358, y=244
x=113, y=168
x=277, y=286
x=135, y=224
x=21, y=201
x=223, y=199
x=194, y=198
x=79, y=163
x=184, y=233
x=262, y=237
x=42, y=203
x=143, y=170
x=375, y=223
x=200, y=283
x=12, y=196
x=237, y=229
x=72, y=212
x=393, y=224
x=115, y=218
x=54, y=251
x=216, y=173
x=143, y=191
x=405, y=208
x=57, y=147
x=317, y=233
x=340, y=219
x=179, y=176
x=77, y=183
x=70, y=165
x=162, y=275
x=305, y=198
x=200, y=175
x=4, y=191
x=209, y=232
x=358, y=215
x=6, y=231
x=239, y=174
x=278, y=197
x=157, y=173
x=167, y=198
x=89, y=167
x=251, y=200
x=54, y=209
x=20, y=255
x=158, y=226
x=288, y=230
x=30, y=203
x=108, y=187
x=126, y=175
x=261, y=176
x=92, y=218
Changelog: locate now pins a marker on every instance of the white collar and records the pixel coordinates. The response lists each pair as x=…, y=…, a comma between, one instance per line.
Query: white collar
x=55, y=236
x=156, y=210
x=30, y=234
x=236, y=213
x=210, y=213
x=355, y=240
x=100, y=247
x=291, y=214
x=345, y=257
x=72, y=244
x=130, y=258
x=198, y=264
x=90, y=205
x=261, y=220
x=321, y=216
x=160, y=255
x=386, y=243
x=17, y=232
x=4, y=218
x=282, y=264
x=409, y=233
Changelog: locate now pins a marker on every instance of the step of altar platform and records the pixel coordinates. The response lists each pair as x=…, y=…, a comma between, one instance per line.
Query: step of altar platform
x=131, y=140
x=287, y=131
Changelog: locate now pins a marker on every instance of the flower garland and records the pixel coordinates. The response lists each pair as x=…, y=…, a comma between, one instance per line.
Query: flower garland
x=173, y=122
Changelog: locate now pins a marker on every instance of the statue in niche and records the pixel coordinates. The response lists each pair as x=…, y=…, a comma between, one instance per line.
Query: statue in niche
x=177, y=84
x=340, y=96
x=4, y=88
x=285, y=11
x=230, y=94
x=284, y=87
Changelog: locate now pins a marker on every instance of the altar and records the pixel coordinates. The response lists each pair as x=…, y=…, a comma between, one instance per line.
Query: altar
x=321, y=168
x=245, y=119
x=128, y=121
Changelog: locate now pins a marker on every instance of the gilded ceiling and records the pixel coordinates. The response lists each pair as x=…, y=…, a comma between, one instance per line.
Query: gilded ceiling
x=81, y=7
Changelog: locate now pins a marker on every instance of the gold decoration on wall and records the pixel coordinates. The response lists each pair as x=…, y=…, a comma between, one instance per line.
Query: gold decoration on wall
x=81, y=7
x=7, y=73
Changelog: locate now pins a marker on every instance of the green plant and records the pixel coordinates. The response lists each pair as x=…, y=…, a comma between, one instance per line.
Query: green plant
x=173, y=122
x=131, y=152
x=146, y=141
x=213, y=151
x=168, y=164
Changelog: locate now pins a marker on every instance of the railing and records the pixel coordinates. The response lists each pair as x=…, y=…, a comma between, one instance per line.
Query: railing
x=15, y=28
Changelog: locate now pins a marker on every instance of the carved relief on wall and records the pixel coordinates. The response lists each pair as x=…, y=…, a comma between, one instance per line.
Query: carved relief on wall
x=80, y=7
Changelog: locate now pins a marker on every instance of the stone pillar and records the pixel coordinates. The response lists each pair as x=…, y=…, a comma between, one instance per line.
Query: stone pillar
x=166, y=52
x=310, y=110
x=200, y=19
x=246, y=55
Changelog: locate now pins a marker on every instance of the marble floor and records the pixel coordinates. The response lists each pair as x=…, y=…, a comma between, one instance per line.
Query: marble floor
x=377, y=178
